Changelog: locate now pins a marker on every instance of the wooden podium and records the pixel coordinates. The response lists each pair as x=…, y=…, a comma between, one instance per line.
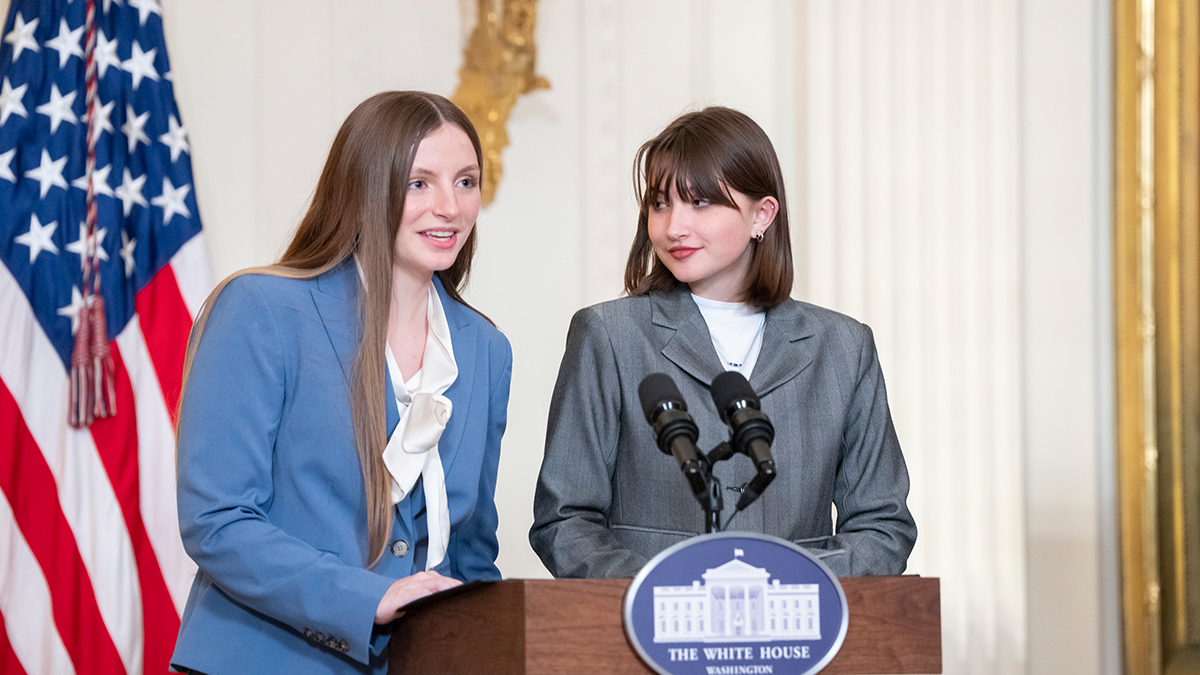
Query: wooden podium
x=573, y=627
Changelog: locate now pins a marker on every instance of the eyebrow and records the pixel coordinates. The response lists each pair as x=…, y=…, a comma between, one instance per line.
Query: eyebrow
x=418, y=171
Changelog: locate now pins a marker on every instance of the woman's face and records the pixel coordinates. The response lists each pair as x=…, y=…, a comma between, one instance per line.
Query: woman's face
x=442, y=202
x=707, y=246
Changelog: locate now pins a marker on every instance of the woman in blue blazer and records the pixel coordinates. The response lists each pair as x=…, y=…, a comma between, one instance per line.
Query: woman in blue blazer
x=340, y=427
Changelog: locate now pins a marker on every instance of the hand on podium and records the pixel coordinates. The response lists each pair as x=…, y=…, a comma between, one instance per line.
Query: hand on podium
x=405, y=590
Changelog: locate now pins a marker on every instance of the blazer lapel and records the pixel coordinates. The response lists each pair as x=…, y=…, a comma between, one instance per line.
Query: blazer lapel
x=336, y=300
x=787, y=347
x=690, y=347
x=463, y=339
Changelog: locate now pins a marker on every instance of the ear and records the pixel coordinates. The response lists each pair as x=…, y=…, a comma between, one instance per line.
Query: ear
x=764, y=211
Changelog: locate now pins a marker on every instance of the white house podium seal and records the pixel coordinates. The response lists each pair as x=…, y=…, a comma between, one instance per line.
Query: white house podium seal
x=736, y=603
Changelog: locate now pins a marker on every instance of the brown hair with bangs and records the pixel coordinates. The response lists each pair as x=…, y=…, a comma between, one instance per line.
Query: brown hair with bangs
x=356, y=211
x=704, y=155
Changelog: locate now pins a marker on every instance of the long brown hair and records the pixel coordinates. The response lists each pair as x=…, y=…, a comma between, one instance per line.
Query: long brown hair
x=703, y=155
x=356, y=211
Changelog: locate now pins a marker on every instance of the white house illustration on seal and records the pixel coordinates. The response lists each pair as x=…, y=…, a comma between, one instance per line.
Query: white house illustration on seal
x=736, y=604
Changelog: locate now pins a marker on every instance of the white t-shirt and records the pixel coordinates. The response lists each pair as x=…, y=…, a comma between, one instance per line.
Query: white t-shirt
x=737, y=332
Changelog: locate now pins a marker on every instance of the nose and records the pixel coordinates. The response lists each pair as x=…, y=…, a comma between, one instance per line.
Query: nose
x=679, y=223
x=445, y=203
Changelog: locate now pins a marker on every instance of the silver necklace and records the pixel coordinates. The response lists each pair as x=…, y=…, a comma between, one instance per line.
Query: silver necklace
x=756, y=342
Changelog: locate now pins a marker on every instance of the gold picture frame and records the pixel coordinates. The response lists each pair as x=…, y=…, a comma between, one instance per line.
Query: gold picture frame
x=1156, y=274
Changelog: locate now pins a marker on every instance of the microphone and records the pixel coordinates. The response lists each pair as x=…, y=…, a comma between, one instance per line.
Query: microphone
x=676, y=430
x=753, y=432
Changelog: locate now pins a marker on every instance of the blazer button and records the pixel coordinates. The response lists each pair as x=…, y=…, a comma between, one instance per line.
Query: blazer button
x=399, y=548
x=309, y=634
x=344, y=647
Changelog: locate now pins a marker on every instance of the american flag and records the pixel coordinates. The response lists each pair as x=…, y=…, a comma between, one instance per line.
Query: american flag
x=92, y=573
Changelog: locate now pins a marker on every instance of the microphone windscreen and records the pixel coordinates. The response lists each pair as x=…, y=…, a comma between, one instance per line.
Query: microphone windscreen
x=728, y=387
x=655, y=390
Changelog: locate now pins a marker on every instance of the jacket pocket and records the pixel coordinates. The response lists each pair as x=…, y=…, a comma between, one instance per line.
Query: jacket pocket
x=647, y=541
x=838, y=560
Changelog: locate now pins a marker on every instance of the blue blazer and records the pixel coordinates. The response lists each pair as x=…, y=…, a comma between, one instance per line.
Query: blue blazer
x=270, y=489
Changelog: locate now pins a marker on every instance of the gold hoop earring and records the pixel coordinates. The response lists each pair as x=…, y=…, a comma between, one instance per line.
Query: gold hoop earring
x=758, y=237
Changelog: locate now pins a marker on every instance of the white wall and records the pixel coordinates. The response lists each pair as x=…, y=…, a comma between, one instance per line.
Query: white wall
x=947, y=164
x=1067, y=336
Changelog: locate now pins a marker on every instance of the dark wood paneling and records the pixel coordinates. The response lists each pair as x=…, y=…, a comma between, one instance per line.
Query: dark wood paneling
x=895, y=626
x=577, y=624
x=480, y=631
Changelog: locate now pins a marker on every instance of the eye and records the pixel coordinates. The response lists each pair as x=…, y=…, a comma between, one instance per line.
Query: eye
x=468, y=182
x=659, y=205
x=416, y=184
x=700, y=203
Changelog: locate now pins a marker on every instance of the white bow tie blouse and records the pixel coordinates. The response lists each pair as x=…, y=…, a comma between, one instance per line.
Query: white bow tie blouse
x=412, y=449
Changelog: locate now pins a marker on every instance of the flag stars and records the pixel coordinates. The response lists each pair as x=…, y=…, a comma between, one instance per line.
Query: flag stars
x=72, y=310
x=67, y=43
x=38, y=238
x=175, y=138
x=6, y=165
x=127, y=246
x=103, y=118
x=85, y=245
x=105, y=53
x=99, y=181
x=135, y=127
x=140, y=64
x=49, y=173
x=145, y=8
x=172, y=201
x=21, y=37
x=58, y=108
x=10, y=100
x=130, y=192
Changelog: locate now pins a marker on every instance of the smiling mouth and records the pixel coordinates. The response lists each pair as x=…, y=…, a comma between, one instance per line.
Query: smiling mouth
x=681, y=252
x=440, y=236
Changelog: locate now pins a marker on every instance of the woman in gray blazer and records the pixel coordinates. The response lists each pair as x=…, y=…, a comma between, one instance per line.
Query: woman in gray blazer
x=707, y=286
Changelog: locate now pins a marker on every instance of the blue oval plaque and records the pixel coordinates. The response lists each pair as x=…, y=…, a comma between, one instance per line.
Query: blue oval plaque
x=736, y=604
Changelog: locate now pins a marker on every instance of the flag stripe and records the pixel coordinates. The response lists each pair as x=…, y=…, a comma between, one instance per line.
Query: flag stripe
x=9, y=663
x=192, y=273
x=32, y=372
x=29, y=487
x=117, y=442
x=166, y=324
x=156, y=463
x=34, y=639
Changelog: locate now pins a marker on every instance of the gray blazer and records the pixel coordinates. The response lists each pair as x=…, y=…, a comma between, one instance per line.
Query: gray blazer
x=608, y=500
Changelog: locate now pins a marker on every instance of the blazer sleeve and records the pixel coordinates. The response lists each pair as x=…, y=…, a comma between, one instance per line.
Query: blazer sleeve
x=475, y=543
x=573, y=499
x=228, y=424
x=871, y=487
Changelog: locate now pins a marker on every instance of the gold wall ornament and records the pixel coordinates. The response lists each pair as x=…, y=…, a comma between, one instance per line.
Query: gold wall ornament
x=499, y=65
x=1156, y=270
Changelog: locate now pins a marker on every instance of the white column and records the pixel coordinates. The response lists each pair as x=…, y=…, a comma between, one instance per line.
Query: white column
x=911, y=226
